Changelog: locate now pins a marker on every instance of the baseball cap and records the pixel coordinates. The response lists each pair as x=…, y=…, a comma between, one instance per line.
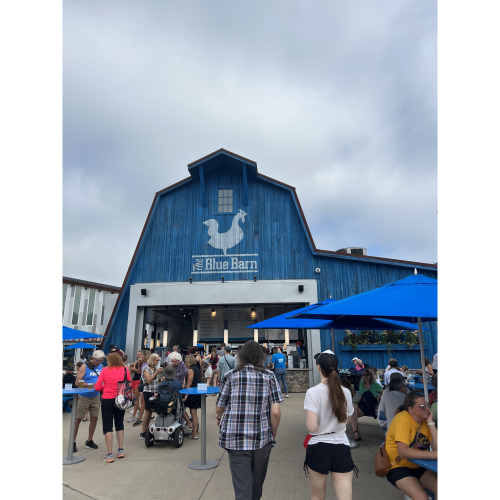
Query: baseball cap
x=327, y=360
x=169, y=372
x=112, y=346
x=227, y=348
x=354, y=359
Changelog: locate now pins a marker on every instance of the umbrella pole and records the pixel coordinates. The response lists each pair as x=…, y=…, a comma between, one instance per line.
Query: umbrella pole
x=422, y=360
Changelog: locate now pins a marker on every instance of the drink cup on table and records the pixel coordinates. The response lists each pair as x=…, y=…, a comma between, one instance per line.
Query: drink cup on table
x=81, y=384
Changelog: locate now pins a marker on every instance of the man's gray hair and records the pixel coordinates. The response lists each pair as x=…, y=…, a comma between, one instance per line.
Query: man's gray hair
x=175, y=348
x=98, y=354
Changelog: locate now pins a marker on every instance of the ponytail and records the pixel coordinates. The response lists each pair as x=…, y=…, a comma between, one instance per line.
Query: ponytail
x=337, y=396
x=410, y=400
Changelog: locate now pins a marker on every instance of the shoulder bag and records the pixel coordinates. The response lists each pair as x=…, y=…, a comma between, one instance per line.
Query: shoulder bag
x=381, y=465
x=124, y=395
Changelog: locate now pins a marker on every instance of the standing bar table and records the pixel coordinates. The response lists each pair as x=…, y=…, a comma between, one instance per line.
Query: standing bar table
x=73, y=459
x=202, y=464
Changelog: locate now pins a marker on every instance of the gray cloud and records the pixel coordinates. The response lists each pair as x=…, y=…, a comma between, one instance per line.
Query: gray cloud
x=335, y=98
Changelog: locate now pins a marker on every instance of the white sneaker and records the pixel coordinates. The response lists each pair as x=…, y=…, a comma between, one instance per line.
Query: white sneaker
x=131, y=411
x=131, y=419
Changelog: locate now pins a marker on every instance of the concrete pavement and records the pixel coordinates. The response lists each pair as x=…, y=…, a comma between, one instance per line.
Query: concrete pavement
x=162, y=471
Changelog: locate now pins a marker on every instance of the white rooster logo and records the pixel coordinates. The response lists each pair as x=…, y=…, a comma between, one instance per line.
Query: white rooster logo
x=230, y=238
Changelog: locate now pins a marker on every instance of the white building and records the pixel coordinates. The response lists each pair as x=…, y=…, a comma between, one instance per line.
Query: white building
x=86, y=306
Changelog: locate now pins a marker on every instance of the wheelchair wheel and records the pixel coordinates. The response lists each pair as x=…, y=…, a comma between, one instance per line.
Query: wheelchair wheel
x=149, y=440
x=178, y=437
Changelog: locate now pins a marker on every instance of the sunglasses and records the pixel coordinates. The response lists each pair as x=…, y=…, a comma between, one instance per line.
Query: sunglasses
x=424, y=407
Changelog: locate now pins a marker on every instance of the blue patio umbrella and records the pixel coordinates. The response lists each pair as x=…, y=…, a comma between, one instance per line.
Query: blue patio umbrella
x=80, y=345
x=404, y=300
x=412, y=298
x=72, y=334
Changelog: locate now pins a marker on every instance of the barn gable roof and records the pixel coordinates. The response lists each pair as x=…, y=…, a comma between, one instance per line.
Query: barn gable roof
x=224, y=158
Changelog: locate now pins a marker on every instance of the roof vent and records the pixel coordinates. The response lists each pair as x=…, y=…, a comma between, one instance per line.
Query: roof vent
x=354, y=250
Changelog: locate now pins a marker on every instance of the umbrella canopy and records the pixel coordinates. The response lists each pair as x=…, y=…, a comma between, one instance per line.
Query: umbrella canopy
x=412, y=298
x=71, y=334
x=357, y=323
x=404, y=300
x=80, y=345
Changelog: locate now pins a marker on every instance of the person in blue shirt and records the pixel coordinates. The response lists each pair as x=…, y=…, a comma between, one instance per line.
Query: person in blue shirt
x=279, y=363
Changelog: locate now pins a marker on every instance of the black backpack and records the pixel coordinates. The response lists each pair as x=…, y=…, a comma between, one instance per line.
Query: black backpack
x=166, y=399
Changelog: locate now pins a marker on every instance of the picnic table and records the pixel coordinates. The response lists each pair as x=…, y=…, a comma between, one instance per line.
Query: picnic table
x=427, y=464
x=418, y=385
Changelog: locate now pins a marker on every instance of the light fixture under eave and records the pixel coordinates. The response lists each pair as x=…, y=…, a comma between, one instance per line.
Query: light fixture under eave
x=195, y=334
x=226, y=332
x=253, y=313
x=165, y=334
x=214, y=312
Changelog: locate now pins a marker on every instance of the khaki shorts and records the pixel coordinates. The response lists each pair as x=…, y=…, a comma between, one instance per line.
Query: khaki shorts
x=90, y=405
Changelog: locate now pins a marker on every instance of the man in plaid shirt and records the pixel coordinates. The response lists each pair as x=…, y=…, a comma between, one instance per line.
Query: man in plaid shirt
x=248, y=414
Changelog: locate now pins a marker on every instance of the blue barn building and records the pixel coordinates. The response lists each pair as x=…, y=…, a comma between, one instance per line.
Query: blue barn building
x=228, y=246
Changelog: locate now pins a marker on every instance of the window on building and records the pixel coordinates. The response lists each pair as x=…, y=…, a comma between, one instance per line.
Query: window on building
x=90, y=308
x=65, y=290
x=104, y=294
x=76, y=305
x=225, y=200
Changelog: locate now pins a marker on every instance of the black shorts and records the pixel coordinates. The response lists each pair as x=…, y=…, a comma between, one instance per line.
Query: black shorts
x=327, y=457
x=401, y=472
x=109, y=413
x=147, y=402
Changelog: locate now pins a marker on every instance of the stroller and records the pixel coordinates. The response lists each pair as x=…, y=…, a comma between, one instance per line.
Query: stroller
x=167, y=427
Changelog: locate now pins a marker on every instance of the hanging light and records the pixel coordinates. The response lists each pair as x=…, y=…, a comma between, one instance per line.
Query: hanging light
x=165, y=334
x=253, y=313
x=151, y=343
x=195, y=334
x=214, y=312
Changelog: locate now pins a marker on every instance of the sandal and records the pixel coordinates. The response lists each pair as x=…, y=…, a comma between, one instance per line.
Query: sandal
x=359, y=435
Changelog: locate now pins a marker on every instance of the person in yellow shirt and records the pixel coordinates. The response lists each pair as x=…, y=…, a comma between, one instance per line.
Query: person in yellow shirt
x=410, y=434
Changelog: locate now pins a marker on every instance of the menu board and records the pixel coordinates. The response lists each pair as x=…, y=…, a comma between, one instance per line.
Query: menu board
x=211, y=326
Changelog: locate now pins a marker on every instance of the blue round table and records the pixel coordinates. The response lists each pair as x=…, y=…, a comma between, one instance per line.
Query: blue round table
x=73, y=459
x=202, y=464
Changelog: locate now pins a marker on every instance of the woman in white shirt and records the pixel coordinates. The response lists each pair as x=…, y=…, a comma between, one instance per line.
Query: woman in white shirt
x=329, y=407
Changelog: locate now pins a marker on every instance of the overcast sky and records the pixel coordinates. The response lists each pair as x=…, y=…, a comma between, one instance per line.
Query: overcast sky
x=338, y=99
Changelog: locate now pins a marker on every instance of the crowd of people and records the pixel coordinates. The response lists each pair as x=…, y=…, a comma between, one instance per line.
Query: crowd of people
x=248, y=412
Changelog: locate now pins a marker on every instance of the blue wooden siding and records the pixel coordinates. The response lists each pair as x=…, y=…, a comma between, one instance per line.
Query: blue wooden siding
x=273, y=229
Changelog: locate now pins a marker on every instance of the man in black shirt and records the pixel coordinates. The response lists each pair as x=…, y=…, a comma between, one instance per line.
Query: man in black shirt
x=69, y=378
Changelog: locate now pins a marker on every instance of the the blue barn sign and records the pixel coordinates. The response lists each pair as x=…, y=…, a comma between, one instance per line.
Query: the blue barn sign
x=228, y=224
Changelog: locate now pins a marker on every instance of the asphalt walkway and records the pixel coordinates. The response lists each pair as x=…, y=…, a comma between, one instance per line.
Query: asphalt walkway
x=162, y=471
